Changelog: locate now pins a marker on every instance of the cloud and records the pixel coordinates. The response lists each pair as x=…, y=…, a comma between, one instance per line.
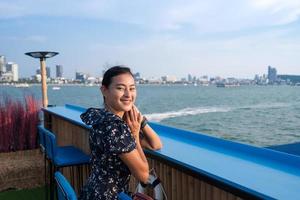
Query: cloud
x=279, y=11
x=35, y=38
x=242, y=56
x=168, y=15
x=175, y=37
x=31, y=38
x=8, y=9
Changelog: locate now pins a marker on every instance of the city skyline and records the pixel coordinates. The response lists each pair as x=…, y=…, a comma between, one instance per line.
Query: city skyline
x=9, y=74
x=59, y=74
x=215, y=38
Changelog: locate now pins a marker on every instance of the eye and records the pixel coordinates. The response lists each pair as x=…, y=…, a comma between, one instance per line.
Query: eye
x=132, y=89
x=120, y=88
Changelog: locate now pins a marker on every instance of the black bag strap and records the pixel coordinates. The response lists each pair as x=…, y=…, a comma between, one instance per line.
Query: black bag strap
x=155, y=182
x=152, y=185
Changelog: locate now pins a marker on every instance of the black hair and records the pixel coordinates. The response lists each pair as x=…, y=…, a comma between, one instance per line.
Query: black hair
x=114, y=71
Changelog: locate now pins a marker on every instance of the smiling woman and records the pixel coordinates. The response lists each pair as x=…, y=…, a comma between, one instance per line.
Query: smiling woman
x=119, y=93
x=118, y=133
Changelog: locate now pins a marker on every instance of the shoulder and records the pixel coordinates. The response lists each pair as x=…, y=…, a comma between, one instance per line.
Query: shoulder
x=94, y=116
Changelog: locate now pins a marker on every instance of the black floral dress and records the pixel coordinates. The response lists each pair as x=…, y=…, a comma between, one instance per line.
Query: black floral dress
x=109, y=137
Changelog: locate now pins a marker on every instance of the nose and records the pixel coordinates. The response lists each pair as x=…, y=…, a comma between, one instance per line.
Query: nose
x=127, y=93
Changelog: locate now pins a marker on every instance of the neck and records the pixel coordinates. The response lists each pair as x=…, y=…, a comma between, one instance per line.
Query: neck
x=118, y=113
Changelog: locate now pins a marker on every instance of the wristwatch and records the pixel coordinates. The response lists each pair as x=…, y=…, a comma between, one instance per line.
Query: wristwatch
x=144, y=122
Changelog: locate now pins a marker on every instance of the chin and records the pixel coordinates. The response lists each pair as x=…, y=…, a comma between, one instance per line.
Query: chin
x=127, y=108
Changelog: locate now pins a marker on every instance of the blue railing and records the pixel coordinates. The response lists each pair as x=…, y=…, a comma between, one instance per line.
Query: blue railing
x=264, y=173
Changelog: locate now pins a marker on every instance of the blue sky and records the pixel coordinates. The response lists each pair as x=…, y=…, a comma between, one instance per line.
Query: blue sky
x=232, y=38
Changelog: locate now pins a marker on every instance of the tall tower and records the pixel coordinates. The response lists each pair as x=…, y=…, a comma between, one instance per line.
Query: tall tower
x=59, y=71
x=2, y=65
x=272, y=75
x=48, y=72
x=13, y=68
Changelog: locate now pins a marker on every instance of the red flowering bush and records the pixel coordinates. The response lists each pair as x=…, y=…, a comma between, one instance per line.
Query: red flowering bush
x=18, y=123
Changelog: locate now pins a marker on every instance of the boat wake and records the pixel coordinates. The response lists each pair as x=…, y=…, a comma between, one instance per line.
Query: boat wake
x=265, y=106
x=157, y=117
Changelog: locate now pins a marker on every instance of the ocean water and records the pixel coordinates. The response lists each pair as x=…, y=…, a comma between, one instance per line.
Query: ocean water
x=257, y=115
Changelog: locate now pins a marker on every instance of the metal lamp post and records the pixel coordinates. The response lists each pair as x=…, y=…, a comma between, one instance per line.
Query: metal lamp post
x=42, y=55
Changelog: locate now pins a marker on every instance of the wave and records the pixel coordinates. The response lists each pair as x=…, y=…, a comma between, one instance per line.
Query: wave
x=157, y=117
x=265, y=106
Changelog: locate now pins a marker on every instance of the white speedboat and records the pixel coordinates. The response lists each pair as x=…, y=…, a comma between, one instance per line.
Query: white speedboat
x=22, y=85
x=55, y=88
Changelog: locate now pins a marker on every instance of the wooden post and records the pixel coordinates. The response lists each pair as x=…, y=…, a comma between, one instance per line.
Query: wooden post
x=44, y=82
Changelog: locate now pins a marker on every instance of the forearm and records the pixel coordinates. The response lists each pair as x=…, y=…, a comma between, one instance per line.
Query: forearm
x=140, y=151
x=137, y=163
x=144, y=160
x=151, y=139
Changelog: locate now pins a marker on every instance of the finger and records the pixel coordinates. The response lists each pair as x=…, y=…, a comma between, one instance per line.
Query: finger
x=137, y=110
x=140, y=118
x=135, y=114
x=126, y=117
x=131, y=115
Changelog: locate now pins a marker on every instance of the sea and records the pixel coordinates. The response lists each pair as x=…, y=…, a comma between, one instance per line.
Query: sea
x=256, y=115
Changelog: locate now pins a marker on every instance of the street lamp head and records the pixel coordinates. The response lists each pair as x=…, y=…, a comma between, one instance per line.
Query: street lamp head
x=41, y=54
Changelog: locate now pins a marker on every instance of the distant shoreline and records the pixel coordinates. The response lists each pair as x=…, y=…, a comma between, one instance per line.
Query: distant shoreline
x=159, y=84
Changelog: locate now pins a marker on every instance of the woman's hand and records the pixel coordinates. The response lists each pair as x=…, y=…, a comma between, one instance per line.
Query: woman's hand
x=133, y=118
x=151, y=140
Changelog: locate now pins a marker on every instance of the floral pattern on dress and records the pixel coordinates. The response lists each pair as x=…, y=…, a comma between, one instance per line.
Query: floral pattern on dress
x=109, y=137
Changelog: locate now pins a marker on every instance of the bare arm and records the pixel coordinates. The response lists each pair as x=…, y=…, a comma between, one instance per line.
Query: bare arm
x=137, y=163
x=136, y=160
x=151, y=140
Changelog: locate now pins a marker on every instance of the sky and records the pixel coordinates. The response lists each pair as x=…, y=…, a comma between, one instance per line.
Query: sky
x=232, y=38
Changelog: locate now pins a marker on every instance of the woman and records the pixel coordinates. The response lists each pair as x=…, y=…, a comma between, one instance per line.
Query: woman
x=115, y=140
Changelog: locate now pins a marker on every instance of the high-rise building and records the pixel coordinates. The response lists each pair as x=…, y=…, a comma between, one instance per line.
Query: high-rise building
x=190, y=78
x=2, y=65
x=13, y=68
x=137, y=76
x=48, y=72
x=291, y=79
x=272, y=75
x=169, y=78
x=59, y=71
x=79, y=76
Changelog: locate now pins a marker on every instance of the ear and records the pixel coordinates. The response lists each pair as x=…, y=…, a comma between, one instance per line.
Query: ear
x=103, y=90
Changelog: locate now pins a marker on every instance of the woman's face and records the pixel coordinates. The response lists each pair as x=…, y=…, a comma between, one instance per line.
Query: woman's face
x=120, y=94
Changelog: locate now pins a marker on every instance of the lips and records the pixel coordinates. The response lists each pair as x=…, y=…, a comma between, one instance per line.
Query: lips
x=127, y=101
